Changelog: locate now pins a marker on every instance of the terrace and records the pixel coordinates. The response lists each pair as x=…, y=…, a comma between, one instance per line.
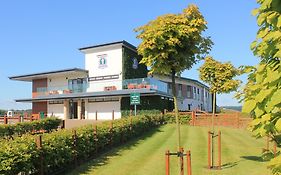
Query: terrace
x=130, y=84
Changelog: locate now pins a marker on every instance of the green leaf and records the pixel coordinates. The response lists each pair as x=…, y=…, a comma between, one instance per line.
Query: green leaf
x=258, y=112
x=255, y=12
x=278, y=125
x=275, y=99
x=249, y=106
x=262, y=95
x=279, y=21
x=266, y=118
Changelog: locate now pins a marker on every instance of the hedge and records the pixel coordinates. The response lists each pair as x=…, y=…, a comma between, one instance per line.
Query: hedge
x=61, y=149
x=183, y=119
x=18, y=129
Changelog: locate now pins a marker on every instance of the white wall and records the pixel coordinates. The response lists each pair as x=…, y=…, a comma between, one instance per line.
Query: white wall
x=196, y=101
x=113, y=66
x=61, y=82
x=56, y=110
x=104, y=110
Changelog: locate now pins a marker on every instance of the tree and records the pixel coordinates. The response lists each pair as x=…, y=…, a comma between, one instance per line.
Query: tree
x=172, y=43
x=262, y=92
x=220, y=78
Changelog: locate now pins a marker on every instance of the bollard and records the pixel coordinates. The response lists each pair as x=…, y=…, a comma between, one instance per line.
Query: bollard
x=181, y=161
x=219, y=150
x=209, y=150
x=188, y=161
x=167, y=155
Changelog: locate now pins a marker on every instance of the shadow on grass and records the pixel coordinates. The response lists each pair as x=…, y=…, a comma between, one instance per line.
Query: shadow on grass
x=253, y=158
x=103, y=158
x=229, y=165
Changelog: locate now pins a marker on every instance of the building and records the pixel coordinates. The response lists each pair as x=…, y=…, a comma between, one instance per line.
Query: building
x=112, y=72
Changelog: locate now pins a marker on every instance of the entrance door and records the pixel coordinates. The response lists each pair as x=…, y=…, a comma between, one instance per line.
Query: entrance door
x=73, y=109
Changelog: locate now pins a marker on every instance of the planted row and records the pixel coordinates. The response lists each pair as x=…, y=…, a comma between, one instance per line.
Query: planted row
x=18, y=129
x=65, y=148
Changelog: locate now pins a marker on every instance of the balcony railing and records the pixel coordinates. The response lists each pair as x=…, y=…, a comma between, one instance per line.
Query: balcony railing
x=140, y=83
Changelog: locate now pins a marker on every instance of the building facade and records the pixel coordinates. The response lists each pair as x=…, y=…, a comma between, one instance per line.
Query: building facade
x=112, y=72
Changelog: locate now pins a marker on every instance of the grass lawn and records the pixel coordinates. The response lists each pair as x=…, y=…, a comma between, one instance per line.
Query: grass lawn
x=240, y=154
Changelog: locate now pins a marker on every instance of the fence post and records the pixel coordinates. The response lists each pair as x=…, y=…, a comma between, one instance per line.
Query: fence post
x=74, y=137
x=19, y=118
x=181, y=161
x=96, y=115
x=31, y=117
x=193, y=118
x=188, y=161
x=209, y=150
x=219, y=150
x=111, y=129
x=167, y=155
x=38, y=141
x=5, y=119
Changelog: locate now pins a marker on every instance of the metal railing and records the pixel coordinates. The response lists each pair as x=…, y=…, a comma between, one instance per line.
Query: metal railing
x=106, y=85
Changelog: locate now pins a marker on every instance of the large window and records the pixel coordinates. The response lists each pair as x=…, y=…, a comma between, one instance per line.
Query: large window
x=77, y=85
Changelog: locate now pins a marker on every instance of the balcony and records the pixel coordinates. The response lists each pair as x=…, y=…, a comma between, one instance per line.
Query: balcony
x=94, y=86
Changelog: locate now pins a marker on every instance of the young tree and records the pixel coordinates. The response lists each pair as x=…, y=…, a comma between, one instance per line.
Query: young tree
x=220, y=78
x=262, y=93
x=172, y=43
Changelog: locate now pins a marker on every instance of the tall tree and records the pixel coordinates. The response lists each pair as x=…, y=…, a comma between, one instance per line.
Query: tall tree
x=220, y=78
x=172, y=43
x=262, y=93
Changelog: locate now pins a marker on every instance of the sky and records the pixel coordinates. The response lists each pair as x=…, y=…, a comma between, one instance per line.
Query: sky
x=37, y=36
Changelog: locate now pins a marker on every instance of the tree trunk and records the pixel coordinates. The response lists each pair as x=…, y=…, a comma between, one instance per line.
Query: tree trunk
x=214, y=111
x=176, y=108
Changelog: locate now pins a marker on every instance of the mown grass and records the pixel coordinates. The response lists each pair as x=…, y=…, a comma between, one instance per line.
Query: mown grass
x=145, y=156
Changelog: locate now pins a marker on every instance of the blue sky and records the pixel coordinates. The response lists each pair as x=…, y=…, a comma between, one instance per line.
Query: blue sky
x=38, y=36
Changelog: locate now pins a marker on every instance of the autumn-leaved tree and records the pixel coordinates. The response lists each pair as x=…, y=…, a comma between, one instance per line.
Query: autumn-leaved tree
x=262, y=93
x=172, y=43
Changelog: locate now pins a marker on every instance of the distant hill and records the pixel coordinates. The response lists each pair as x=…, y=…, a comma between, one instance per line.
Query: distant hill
x=235, y=108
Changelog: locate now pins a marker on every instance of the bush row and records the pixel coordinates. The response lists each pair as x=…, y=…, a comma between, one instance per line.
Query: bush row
x=62, y=148
x=47, y=124
x=126, y=113
x=183, y=119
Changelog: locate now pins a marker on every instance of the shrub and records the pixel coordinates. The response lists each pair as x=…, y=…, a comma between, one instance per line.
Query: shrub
x=47, y=124
x=183, y=119
x=59, y=148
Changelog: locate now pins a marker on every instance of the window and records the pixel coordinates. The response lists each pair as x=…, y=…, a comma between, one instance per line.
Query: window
x=194, y=93
x=188, y=91
x=180, y=90
x=169, y=88
x=77, y=85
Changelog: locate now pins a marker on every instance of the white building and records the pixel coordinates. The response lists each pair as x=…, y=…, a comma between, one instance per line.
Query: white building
x=112, y=72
